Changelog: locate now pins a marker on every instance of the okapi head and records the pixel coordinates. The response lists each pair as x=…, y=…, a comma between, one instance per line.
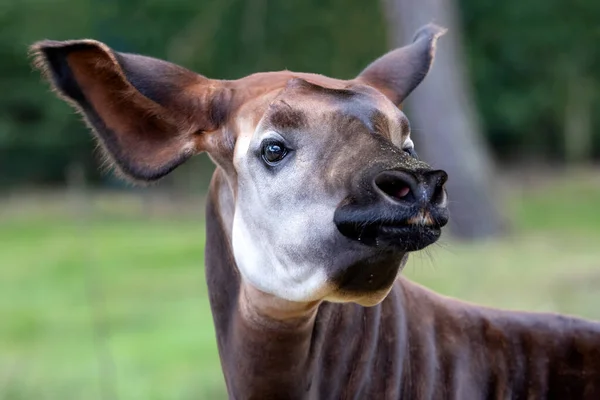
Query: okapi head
x=329, y=194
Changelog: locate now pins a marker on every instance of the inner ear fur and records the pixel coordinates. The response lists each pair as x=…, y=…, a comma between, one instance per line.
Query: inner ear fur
x=397, y=73
x=148, y=115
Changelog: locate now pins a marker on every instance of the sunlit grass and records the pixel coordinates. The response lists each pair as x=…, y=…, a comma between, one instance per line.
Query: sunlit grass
x=109, y=304
x=116, y=302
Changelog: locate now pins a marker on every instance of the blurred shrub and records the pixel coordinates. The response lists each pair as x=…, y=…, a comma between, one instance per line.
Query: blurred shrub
x=535, y=67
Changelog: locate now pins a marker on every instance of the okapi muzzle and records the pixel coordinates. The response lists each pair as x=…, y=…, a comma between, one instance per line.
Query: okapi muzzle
x=317, y=200
x=400, y=209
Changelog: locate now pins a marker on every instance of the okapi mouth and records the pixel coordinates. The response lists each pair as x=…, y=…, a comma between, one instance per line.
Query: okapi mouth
x=403, y=230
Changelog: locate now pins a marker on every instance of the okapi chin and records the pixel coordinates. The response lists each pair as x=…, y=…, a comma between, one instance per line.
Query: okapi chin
x=317, y=201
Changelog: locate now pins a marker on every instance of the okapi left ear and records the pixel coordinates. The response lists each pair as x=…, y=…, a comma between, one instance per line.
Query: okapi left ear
x=149, y=115
x=397, y=73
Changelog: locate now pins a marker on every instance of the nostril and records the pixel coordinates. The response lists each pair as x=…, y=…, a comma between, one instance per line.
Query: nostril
x=401, y=192
x=436, y=181
x=438, y=196
x=395, y=185
x=436, y=178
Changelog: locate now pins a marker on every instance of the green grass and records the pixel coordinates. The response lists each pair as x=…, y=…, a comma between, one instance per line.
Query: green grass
x=139, y=282
x=117, y=302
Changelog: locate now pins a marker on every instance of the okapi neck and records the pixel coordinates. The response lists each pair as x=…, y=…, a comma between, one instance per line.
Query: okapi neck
x=318, y=349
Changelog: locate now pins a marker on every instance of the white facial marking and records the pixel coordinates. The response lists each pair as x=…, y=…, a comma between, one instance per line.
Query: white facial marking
x=401, y=136
x=281, y=226
x=284, y=238
x=260, y=265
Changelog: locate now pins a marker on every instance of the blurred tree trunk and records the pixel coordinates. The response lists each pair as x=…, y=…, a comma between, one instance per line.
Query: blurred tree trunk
x=578, y=131
x=445, y=124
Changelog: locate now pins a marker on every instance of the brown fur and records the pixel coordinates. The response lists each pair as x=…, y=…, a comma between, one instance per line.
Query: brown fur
x=410, y=343
x=414, y=345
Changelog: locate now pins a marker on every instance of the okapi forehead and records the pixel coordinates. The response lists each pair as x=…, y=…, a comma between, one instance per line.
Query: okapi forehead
x=302, y=105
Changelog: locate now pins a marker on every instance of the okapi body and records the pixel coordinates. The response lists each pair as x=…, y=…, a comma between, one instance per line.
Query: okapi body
x=316, y=202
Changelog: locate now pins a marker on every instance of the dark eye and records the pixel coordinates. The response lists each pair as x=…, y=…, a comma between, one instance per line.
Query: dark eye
x=273, y=152
x=411, y=152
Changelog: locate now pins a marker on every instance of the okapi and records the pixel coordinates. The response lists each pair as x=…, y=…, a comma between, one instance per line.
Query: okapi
x=317, y=199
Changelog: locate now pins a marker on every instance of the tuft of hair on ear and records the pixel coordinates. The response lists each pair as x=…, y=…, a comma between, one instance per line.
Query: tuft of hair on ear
x=38, y=57
x=431, y=30
x=108, y=166
x=431, y=33
x=45, y=55
x=39, y=63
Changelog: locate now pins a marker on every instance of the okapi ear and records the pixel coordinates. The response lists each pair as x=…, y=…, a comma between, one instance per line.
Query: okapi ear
x=397, y=73
x=149, y=115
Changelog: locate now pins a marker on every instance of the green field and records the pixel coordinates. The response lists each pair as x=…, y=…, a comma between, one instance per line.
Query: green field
x=114, y=304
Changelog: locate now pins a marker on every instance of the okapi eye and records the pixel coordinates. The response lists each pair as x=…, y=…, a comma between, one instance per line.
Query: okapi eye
x=273, y=152
x=411, y=152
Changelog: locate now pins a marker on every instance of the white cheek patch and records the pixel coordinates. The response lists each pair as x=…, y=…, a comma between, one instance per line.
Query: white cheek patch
x=277, y=242
x=267, y=266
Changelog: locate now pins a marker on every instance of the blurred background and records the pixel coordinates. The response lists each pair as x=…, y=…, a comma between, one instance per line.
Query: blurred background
x=102, y=292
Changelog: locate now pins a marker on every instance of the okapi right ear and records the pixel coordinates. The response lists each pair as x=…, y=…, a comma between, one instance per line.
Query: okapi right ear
x=397, y=73
x=149, y=115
